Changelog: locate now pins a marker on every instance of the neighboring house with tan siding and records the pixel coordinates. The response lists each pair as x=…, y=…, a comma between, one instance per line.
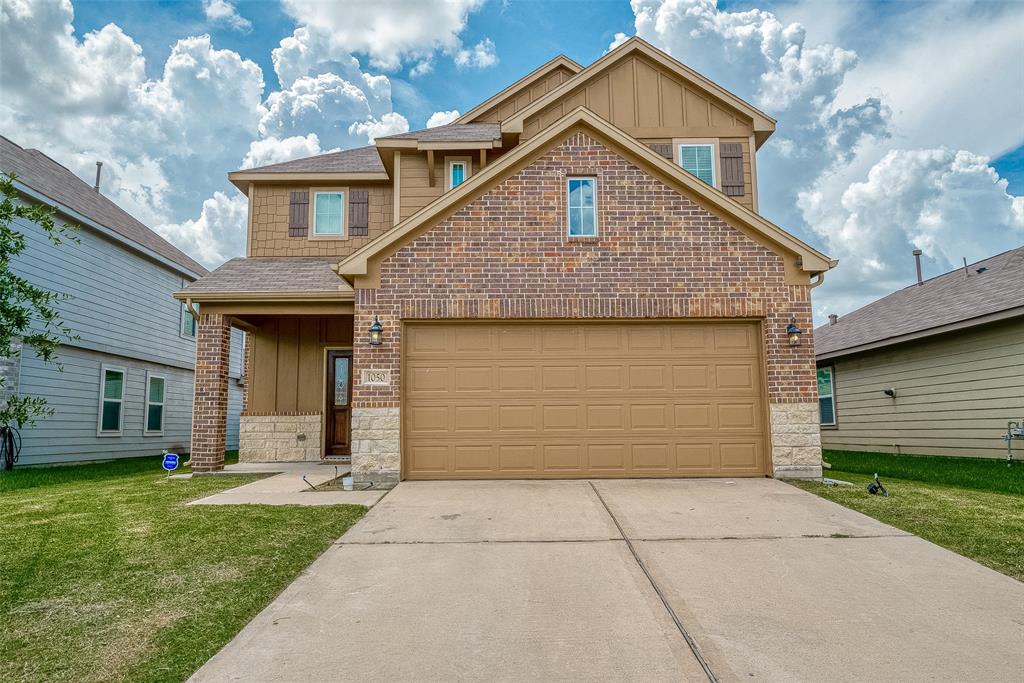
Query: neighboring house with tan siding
x=127, y=380
x=570, y=280
x=936, y=368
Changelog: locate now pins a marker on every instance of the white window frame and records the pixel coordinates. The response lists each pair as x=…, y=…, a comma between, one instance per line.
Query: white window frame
x=450, y=162
x=185, y=315
x=701, y=142
x=831, y=397
x=104, y=368
x=568, y=220
x=313, y=234
x=146, y=431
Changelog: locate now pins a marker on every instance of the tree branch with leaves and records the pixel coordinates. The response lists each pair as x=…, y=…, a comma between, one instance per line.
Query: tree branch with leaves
x=27, y=312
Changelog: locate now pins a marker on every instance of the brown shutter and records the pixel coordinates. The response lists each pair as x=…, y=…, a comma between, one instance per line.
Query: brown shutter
x=358, y=213
x=731, y=156
x=662, y=148
x=298, y=214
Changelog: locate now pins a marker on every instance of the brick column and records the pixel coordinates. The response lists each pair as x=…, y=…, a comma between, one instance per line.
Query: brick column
x=210, y=397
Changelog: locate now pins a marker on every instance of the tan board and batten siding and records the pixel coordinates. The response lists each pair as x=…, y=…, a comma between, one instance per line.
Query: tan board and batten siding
x=651, y=104
x=517, y=101
x=954, y=394
x=287, y=361
x=567, y=399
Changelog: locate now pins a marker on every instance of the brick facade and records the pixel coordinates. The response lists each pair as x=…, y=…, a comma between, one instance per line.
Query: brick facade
x=506, y=255
x=210, y=398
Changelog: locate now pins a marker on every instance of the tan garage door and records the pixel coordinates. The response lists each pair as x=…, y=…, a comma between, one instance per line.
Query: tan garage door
x=549, y=400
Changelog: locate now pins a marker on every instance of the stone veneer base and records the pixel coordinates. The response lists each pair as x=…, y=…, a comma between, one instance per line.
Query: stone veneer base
x=376, y=446
x=796, y=441
x=279, y=438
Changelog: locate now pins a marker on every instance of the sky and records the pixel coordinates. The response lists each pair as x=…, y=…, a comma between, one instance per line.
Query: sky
x=900, y=124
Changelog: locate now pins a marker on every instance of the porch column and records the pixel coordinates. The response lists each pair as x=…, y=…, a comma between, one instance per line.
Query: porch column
x=210, y=397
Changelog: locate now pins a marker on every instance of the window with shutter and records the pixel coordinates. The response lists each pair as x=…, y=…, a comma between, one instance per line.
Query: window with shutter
x=731, y=160
x=662, y=148
x=358, y=212
x=699, y=160
x=298, y=214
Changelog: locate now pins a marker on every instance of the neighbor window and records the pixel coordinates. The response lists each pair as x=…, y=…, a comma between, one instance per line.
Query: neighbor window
x=826, y=397
x=582, y=207
x=699, y=160
x=111, y=400
x=188, y=321
x=154, y=404
x=329, y=213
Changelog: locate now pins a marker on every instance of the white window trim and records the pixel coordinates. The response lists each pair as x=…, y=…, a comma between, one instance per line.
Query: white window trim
x=568, y=221
x=831, y=397
x=146, y=431
x=181, y=323
x=316, y=192
x=716, y=173
x=99, y=417
x=467, y=163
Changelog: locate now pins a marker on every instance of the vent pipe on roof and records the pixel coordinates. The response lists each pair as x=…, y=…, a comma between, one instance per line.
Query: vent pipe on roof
x=967, y=273
x=917, y=260
x=832, y=319
x=99, y=169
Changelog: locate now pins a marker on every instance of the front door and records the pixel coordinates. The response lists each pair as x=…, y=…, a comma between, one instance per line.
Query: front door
x=339, y=398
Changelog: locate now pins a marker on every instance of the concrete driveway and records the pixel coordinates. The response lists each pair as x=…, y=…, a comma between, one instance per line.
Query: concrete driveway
x=642, y=580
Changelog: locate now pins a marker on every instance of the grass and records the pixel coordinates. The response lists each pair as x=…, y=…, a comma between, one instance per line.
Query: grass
x=105, y=574
x=978, y=514
x=982, y=474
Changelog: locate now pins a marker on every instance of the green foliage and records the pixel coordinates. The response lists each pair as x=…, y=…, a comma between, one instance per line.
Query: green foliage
x=27, y=312
x=983, y=474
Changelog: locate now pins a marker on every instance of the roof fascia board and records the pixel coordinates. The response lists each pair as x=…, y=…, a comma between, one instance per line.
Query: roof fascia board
x=763, y=123
x=241, y=179
x=401, y=143
x=105, y=231
x=357, y=263
x=423, y=146
x=340, y=296
x=922, y=334
x=535, y=75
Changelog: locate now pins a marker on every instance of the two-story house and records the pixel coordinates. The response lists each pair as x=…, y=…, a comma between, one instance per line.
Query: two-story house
x=127, y=380
x=571, y=280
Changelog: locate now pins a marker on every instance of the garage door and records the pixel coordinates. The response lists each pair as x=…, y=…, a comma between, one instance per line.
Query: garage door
x=563, y=400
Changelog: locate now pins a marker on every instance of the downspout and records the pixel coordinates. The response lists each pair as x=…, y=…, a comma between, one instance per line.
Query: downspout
x=817, y=279
x=191, y=309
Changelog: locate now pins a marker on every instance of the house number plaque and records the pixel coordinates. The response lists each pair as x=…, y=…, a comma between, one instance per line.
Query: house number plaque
x=375, y=378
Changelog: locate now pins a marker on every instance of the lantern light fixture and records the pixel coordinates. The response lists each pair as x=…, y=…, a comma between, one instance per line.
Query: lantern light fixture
x=793, y=332
x=376, y=332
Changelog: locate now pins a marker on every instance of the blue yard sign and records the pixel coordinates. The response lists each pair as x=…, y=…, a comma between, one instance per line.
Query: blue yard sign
x=170, y=462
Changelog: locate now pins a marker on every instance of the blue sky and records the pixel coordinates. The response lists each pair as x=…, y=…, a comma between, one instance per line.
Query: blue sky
x=887, y=140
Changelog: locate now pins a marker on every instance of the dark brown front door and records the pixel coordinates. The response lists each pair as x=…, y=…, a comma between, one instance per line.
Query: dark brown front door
x=339, y=397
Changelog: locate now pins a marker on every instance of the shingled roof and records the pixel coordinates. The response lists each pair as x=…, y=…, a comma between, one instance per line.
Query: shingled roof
x=44, y=175
x=453, y=132
x=994, y=285
x=358, y=160
x=270, y=275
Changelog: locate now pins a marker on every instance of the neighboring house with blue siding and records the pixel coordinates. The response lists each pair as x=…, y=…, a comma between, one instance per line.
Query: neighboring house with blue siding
x=126, y=385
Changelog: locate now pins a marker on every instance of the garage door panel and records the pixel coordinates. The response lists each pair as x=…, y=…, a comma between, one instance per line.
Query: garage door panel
x=583, y=399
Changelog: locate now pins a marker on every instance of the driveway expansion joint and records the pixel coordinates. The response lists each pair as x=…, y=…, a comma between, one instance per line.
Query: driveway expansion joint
x=495, y=541
x=657, y=589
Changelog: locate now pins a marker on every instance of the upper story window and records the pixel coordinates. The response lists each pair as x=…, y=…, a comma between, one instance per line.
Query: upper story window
x=459, y=170
x=329, y=214
x=111, y=401
x=582, y=206
x=188, y=321
x=826, y=397
x=699, y=159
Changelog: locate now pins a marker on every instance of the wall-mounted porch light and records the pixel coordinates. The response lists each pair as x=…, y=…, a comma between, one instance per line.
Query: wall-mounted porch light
x=376, y=331
x=793, y=332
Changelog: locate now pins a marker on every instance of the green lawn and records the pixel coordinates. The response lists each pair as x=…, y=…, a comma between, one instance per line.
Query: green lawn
x=974, y=508
x=105, y=574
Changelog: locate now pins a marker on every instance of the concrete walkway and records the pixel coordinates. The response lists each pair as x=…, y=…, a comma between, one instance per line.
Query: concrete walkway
x=630, y=580
x=287, y=487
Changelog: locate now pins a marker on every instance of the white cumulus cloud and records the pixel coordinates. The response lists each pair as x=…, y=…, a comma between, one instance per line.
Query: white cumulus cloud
x=442, y=118
x=223, y=12
x=214, y=236
x=389, y=124
x=272, y=150
x=480, y=56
